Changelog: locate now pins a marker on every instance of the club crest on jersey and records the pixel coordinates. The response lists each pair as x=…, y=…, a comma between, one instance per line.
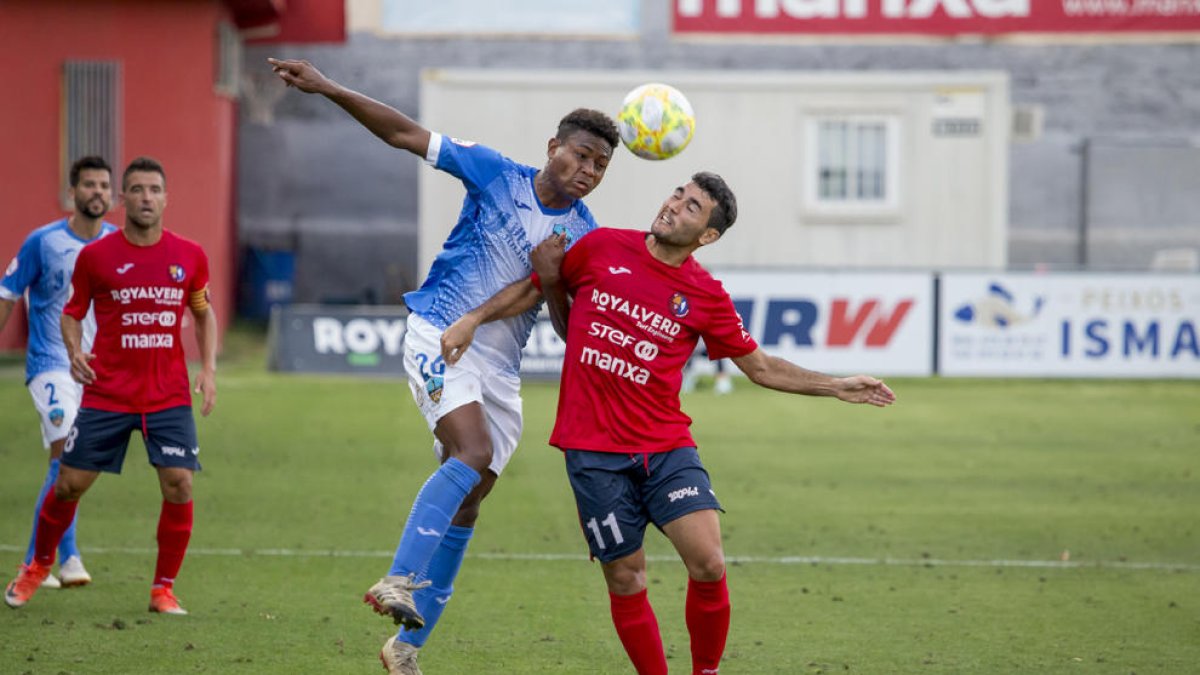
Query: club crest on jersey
x=56, y=417
x=680, y=305
x=561, y=228
x=176, y=272
x=433, y=387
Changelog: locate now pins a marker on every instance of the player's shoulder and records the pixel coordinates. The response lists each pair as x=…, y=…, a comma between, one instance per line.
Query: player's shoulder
x=183, y=243
x=43, y=232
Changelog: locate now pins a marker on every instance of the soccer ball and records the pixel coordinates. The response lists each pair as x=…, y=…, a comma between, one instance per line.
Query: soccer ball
x=656, y=121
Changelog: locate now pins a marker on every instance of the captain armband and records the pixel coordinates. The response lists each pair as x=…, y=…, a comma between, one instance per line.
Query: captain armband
x=199, y=300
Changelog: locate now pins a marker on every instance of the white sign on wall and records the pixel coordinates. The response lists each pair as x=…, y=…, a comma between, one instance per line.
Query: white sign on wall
x=1092, y=325
x=842, y=324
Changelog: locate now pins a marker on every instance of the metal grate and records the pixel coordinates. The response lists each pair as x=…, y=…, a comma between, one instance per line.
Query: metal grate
x=91, y=114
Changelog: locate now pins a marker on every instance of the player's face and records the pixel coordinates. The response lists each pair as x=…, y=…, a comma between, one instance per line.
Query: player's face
x=145, y=197
x=93, y=194
x=577, y=164
x=683, y=219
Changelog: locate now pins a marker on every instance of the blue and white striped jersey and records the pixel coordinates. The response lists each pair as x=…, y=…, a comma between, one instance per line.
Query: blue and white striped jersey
x=500, y=223
x=43, y=266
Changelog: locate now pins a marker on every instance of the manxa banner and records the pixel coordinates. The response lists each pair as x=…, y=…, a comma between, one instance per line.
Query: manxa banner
x=935, y=17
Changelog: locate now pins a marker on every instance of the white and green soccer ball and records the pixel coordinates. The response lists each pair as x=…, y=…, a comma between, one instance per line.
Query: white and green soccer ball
x=656, y=121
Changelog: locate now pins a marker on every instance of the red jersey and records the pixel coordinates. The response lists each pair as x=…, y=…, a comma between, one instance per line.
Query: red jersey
x=634, y=323
x=140, y=293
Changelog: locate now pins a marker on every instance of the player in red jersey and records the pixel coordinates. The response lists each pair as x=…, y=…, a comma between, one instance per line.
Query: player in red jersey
x=634, y=305
x=136, y=378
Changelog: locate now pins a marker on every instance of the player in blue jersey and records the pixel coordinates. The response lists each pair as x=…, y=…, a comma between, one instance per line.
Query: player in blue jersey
x=43, y=267
x=474, y=407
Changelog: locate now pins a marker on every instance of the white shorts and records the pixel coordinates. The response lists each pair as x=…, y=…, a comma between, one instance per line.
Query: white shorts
x=438, y=389
x=56, y=397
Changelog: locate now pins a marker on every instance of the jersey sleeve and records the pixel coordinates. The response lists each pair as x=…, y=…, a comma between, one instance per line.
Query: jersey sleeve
x=198, y=295
x=725, y=336
x=79, y=300
x=23, y=270
x=475, y=165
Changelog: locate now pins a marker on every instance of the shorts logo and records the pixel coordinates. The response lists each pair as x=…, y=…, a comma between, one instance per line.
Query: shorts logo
x=690, y=491
x=56, y=417
x=680, y=305
x=433, y=387
x=176, y=272
x=172, y=451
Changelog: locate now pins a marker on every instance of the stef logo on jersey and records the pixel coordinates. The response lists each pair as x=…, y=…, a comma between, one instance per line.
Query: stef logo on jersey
x=12, y=267
x=462, y=143
x=433, y=387
x=680, y=305
x=56, y=417
x=176, y=272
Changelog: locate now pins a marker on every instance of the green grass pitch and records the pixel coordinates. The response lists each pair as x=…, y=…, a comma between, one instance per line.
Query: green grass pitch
x=926, y=538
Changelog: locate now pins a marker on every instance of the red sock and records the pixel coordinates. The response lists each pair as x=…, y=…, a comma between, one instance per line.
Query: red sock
x=174, y=531
x=53, y=520
x=638, y=629
x=707, y=613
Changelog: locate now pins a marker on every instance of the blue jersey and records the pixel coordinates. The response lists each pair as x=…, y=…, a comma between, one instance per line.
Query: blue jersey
x=43, y=266
x=500, y=223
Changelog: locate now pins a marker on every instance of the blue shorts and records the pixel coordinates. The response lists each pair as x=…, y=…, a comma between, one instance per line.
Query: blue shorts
x=99, y=439
x=618, y=494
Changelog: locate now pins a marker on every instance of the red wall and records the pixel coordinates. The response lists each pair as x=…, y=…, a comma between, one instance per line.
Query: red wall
x=170, y=109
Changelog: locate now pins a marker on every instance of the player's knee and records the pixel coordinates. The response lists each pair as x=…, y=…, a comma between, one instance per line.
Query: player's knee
x=67, y=492
x=708, y=567
x=624, y=579
x=477, y=457
x=177, y=489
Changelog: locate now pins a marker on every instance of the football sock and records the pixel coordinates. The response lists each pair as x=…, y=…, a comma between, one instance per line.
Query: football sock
x=638, y=629
x=442, y=570
x=53, y=520
x=707, y=612
x=174, y=532
x=429, y=519
x=66, y=547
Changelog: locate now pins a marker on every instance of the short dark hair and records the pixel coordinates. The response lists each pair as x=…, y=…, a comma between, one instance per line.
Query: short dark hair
x=592, y=121
x=86, y=163
x=725, y=212
x=147, y=164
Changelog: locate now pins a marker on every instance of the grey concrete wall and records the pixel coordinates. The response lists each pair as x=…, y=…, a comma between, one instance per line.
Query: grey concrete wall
x=315, y=170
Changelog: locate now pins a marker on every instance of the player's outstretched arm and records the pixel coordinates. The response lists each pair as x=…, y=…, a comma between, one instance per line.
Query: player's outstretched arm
x=516, y=298
x=773, y=372
x=72, y=332
x=206, y=338
x=392, y=126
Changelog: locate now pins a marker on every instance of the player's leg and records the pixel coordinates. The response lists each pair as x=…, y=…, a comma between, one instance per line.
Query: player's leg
x=173, y=450
x=95, y=443
x=683, y=504
x=451, y=401
x=56, y=398
x=613, y=520
x=502, y=406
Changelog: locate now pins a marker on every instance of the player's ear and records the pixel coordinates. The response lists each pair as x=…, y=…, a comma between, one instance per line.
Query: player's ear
x=552, y=146
x=709, y=235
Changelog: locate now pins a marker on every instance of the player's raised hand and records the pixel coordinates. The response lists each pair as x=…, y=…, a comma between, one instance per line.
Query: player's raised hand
x=81, y=371
x=206, y=385
x=302, y=75
x=547, y=257
x=865, y=389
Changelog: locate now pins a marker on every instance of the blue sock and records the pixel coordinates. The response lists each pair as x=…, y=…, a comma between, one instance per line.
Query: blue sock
x=67, y=547
x=430, y=517
x=443, y=568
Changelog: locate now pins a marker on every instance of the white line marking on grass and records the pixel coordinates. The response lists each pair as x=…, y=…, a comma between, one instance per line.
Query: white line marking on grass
x=733, y=560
